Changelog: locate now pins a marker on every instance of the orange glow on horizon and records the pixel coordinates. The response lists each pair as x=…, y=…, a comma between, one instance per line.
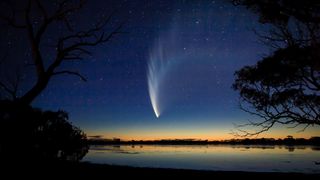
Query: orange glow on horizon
x=127, y=137
x=209, y=133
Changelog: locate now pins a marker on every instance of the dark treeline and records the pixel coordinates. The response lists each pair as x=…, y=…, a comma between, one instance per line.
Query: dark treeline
x=28, y=133
x=261, y=141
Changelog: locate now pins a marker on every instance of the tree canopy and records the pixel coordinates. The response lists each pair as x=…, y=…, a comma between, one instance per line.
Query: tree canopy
x=43, y=135
x=283, y=87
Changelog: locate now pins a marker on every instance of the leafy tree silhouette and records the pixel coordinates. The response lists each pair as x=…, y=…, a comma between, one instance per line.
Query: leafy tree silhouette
x=29, y=133
x=283, y=88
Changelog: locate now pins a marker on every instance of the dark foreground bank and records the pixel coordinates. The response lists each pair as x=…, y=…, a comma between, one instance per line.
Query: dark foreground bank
x=88, y=170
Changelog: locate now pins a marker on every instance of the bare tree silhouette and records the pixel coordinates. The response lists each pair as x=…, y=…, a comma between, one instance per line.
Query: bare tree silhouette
x=72, y=47
x=45, y=135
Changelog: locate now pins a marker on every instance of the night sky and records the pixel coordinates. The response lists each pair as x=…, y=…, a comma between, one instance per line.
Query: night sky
x=201, y=44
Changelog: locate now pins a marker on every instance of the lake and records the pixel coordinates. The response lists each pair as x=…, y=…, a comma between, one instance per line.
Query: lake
x=303, y=159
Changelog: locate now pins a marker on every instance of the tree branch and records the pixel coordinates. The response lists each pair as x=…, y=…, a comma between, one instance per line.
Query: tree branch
x=71, y=47
x=80, y=41
x=71, y=73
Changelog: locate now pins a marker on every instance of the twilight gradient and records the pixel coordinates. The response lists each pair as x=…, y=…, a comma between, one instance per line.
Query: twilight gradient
x=182, y=54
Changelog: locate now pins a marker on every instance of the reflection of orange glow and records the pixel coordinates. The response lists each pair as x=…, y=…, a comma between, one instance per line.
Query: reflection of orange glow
x=216, y=150
x=258, y=158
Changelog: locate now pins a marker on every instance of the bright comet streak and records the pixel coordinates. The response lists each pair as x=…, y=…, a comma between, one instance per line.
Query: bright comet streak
x=156, y=72
x=153, y=97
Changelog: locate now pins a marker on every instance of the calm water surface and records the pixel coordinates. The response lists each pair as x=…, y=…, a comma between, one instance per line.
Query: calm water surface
x=211, y=157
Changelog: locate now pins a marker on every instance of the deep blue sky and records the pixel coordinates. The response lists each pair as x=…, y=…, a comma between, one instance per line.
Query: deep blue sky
x=210, y=40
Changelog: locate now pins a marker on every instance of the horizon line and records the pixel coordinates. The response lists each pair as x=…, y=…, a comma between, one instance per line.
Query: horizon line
x=193, y=139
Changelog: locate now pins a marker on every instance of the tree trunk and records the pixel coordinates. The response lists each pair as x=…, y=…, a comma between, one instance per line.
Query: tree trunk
x=34, y=91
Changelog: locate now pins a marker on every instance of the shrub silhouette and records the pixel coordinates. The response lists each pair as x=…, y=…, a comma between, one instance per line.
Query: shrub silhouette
x=30, y=133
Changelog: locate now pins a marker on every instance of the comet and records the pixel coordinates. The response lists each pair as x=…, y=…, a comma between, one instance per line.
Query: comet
x=164, y=58
x=155, y=75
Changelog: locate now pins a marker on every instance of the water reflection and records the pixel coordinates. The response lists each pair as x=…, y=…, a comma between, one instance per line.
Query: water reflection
x=290, y=148
x=316, y=148
x=263, y=158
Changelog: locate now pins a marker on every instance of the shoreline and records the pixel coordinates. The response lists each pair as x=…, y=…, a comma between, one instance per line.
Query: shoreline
x=313, y=141
x=94, y=170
